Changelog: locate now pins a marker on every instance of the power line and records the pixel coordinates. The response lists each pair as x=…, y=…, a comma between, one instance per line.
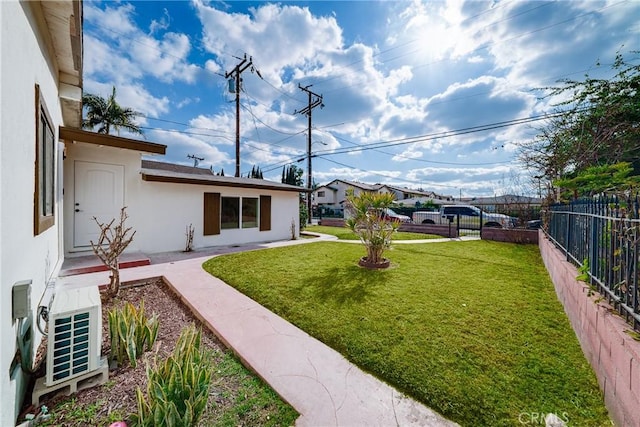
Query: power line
x=390, y=176
x=185, y=132
x=184, y=124
x=428, y=137
x=416, y=159
x=250, y=111
x=445, y=134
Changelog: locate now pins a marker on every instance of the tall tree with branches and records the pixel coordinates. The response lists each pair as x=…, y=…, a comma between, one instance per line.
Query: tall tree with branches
x=107, y=114
x=600, y=127
x=292, y=175
x=112, y=242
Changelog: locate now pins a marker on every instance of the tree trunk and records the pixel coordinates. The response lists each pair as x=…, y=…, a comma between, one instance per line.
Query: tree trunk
x=114, y=283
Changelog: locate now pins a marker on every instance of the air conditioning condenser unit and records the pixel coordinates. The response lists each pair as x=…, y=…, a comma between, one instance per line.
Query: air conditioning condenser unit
x=75, y=334
x=74, y=343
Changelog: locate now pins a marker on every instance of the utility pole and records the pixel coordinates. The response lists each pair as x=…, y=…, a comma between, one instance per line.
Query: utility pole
x=243, y=65
x=195, y=158
x=313, y=103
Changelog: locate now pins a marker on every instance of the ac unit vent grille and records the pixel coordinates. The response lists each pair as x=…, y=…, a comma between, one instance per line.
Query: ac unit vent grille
x=71, y=346
x=74, y=340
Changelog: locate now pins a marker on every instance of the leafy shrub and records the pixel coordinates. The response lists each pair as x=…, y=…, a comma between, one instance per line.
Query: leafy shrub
x=304, y=215
x=131, y=333
x=178, y=387
x=368, y=220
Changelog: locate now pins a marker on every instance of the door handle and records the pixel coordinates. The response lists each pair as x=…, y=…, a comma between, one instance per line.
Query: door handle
x=78, y=210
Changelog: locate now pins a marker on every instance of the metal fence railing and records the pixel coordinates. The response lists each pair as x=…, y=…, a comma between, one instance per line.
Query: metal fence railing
x=601, y=236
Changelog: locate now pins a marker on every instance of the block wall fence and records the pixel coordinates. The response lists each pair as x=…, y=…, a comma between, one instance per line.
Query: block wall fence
x=604, y=336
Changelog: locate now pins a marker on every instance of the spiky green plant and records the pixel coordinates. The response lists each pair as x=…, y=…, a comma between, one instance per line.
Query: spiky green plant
x=178, y=387
x=131, y=333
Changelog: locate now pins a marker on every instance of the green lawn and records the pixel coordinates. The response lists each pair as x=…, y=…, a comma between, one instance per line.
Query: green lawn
x=343, y=233
x=471, y=329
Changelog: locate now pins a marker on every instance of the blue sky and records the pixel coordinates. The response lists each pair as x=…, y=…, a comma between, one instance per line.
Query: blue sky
x=399, y=79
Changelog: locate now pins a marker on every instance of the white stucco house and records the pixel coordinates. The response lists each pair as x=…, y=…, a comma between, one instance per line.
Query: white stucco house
x=55, y=177
x=41, y=90
x=103, y=173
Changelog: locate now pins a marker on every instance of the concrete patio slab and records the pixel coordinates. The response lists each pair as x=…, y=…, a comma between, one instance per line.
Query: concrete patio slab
x=90, y=263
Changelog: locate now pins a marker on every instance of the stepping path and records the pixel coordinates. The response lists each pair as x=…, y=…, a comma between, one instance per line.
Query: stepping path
x=325, y=388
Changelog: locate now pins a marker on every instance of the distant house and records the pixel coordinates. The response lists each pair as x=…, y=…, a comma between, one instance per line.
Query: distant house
x=331, y=197
x=407, y=193
x=504, y=203
x=41, y=91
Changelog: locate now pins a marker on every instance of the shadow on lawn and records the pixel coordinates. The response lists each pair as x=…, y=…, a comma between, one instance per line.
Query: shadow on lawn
x=345, y=285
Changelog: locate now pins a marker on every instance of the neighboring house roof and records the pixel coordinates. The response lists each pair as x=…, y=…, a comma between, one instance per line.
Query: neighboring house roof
x=159, y=175
x=424, y=200
x=172, y=167
x=363, y=186
x=327, y=187
x=504, y=200
x=79, y=135
x=378, y=187
x=420, y=193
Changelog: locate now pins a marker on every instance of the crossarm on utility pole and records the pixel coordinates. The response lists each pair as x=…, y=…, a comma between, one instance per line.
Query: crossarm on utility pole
x=312, y=103
x=236, y=72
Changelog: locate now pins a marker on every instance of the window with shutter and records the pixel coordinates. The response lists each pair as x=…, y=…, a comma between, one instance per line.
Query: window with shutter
x=211, y=214
x=265, y=213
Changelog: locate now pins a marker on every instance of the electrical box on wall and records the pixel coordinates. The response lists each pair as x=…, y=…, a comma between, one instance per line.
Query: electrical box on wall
x=21, y=299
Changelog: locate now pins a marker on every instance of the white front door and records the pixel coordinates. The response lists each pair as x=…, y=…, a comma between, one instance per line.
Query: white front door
x=99, y=193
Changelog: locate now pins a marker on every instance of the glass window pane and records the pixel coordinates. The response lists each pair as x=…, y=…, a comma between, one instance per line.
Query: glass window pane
x=230, y=213
x=249, y=212
x=44, y=191
x=48, y=172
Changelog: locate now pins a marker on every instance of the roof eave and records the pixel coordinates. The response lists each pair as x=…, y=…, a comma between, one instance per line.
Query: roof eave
x=79, y=135
x=207, y=180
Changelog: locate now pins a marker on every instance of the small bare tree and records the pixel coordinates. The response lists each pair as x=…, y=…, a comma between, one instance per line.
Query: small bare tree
x=189, y=245
x=293, y=229
x=112, y=242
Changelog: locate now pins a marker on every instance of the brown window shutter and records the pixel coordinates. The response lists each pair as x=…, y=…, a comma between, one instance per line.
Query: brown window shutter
x=265, y=213
x=211, y=214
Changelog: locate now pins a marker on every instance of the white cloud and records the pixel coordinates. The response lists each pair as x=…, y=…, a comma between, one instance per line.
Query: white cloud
x=161, y=24
x=187, y=101
x=408, y=154
x=164, y=58
x=138, y=97
x=277, y=36
x=180, y=145
x=103, y=61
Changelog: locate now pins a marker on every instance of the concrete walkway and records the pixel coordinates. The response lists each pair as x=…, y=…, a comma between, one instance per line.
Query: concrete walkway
x=325, y=388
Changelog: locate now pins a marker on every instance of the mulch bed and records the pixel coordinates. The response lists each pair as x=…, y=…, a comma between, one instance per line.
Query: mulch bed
x=118, y=394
